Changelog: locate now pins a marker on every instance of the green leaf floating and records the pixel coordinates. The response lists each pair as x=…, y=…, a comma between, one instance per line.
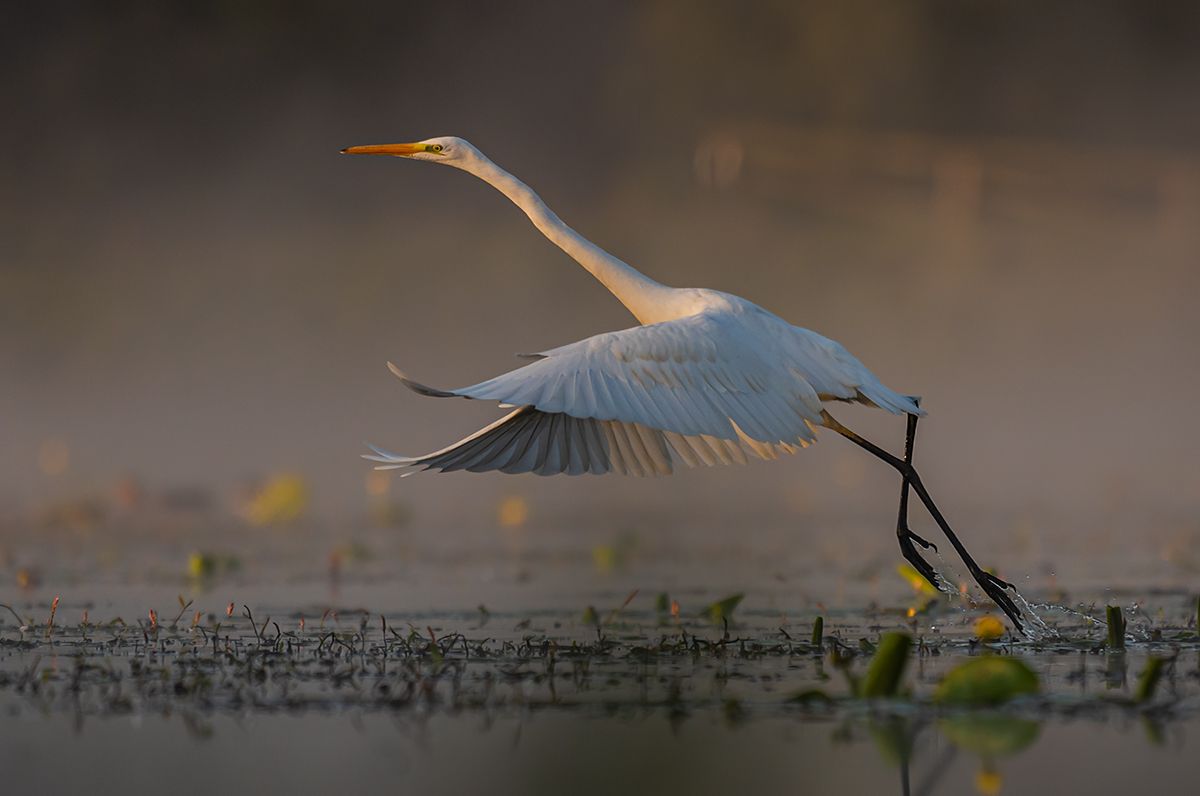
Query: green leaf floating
x=987, y=681
x=723, y=609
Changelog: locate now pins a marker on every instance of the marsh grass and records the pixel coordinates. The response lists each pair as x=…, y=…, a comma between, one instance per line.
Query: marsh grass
x=624, y=659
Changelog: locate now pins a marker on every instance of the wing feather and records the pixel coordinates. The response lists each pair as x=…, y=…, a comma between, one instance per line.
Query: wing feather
x=707, y=389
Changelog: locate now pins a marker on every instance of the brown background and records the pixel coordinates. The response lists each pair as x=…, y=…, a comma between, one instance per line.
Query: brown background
x=993, y=204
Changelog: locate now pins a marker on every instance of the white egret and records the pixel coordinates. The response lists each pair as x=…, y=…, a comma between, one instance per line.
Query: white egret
x=707, y=378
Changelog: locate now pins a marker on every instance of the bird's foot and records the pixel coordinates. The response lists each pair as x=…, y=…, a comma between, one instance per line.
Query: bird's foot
x=928, y=545
x=911, y=555
x=995, y=588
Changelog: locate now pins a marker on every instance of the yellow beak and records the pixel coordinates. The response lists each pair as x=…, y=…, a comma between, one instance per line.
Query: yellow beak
x=398, y=150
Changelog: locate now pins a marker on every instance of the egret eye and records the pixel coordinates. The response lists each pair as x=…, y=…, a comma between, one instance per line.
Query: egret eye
x=435, y=148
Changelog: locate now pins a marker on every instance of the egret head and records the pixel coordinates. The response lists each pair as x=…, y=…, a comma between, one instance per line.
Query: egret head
x=449, y=150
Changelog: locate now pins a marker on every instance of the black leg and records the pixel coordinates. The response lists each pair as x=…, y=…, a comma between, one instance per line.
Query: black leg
x=903, y=533
x=991, y=585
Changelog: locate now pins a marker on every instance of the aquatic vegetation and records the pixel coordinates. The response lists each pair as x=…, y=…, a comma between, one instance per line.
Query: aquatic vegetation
x=886, y=671
x=990, y=680
x=722, y=610
x=281, y=500
x=632, y=658
x=512, y=512
x=605, y=558
x=590, y=617
x=615, y=555
x=202, y=566
x=991, y=736
x=28, y=578
x=989, y=628
x=53, y=611
x=916, y=580
x=615, y=660
x=662, y=606
x=1116, y=627
x=1148, y=681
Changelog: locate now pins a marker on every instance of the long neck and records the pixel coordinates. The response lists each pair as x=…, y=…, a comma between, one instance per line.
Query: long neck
x=648, y=300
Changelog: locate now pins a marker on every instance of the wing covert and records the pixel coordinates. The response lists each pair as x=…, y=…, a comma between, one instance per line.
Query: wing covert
x=700, y=376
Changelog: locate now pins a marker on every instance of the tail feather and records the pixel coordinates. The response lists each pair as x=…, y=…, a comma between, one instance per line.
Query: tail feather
x=890, y=400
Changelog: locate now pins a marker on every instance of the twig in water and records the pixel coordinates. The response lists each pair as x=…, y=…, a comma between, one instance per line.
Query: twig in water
x=182, y=607
x=613, y=616
x=20, y=621
x=254, y=627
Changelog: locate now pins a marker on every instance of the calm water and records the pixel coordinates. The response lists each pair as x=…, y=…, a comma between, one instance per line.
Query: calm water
x=527, y=695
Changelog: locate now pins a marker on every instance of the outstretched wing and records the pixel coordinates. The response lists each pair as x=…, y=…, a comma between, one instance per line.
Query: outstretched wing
x=530, y=441
x=707, y=389
x=701, y=375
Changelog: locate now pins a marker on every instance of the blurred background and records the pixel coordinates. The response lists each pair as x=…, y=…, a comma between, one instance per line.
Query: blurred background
x=993, y=205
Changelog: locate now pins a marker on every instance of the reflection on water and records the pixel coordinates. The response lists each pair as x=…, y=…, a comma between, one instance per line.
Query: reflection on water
x=630, y=697
x=987, y=738
x=305, y=659
x=531, y=751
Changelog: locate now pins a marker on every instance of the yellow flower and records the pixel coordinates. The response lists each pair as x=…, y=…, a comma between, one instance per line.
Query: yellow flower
x=513, y=512
x=281, y=500
x=988, y=628
x=200, y=566
x=916, y=580
x=988, y=781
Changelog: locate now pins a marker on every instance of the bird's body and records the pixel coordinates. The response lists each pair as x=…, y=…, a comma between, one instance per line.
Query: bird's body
x=707, y=378
x=728, y=382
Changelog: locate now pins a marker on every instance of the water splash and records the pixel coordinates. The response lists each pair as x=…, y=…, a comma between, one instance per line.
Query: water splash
x=1034, y=628
x=1071, y=612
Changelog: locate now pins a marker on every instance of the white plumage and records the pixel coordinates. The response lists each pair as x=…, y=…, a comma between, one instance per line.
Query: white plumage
x=710, y=378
